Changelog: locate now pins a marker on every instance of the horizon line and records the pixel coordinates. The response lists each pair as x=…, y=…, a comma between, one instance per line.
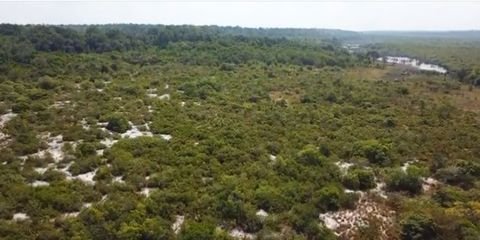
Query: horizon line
x=239, y=26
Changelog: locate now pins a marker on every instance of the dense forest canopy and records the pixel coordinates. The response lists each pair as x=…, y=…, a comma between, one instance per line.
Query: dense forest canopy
x=206, y=132
x=101, y=38
x=21, y=43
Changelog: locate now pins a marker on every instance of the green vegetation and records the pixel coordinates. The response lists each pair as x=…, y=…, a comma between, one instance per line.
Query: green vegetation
x=418, y=227
x=359, y=179
x=461, y=57
x=118, y=124
x=409, y=181
x=119, y=131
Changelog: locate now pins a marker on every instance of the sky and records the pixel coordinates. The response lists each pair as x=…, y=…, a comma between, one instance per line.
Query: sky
x=357, y=15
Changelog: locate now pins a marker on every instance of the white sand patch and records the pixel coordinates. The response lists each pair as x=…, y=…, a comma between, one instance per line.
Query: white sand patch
x=4, y=119
x=108, y=142
x=150, y=110
x=380, y=190
x=23, y=158
x=206, y=180
x=102, y=124
x=272, y=158
x=346, y=223
x=164, y=97
x=353, y=191
x=146, y=191
x=238, y=233
x=329, y=221
x=85, y=177
x=429, y=183
x=55, y=148
x=177, y=225
x=118, y=180
x=182, y=104
x=117, y=98
x=2, y=138
x=75, y=144
x=40, y=170
x=70, y=215
x=20, y=217
x=196, y=143
x=85, y=125
x=39, y=184
x=151, y=90
x=99, y=90
x=405, y=166
x=167, y=86
x=65, y=171
x=100, y=152
x=60, y=104
x=344, y=166
x=262, y=214
x=134, y=132
x=197, y=103
x=166, y=137
x=86, y=205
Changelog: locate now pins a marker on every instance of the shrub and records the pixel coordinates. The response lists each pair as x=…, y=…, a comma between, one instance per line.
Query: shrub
x=47, y=83
x=227, y=67
x=156, y=229
x=455, y=175
x=303, y=213
x=117, y=123
x=21, y=106
x=310, y=156
x=403, y=90
x=201, y=88
x=447, y=196
x=3, y=108
x=87, y=149
x=410, y=181
x=374, y=151
x=389, y=122
x=197, y=231
x=416, y=227
x=359, y=179
x=468, y=231
x=270, y=199
x=329, y=198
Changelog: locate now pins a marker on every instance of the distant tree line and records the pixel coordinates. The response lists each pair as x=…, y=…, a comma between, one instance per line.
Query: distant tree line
x=229, y=45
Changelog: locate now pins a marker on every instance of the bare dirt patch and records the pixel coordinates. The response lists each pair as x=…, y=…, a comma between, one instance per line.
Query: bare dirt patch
x=290, y=96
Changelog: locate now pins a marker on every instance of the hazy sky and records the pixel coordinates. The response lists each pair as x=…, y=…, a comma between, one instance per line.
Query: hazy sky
x=350, y=15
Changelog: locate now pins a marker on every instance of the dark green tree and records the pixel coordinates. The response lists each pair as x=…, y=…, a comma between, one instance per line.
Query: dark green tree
x=418, y=227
